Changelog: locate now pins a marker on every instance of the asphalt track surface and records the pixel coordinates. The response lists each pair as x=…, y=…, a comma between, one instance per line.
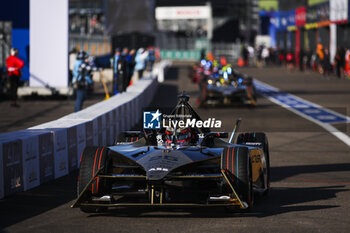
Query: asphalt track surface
x=310, y=172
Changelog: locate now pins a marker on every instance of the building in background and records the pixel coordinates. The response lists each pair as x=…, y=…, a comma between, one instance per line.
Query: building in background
x=131, y=23
x=197, y=25
x=232, y=19
x=87, y=17
x=87, y=30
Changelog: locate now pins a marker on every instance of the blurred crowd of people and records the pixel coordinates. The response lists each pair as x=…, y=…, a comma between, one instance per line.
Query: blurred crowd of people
x=128, y=66
x=126, y=61
x=318, y=61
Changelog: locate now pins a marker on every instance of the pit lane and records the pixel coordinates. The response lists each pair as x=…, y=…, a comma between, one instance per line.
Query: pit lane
x=310, y=171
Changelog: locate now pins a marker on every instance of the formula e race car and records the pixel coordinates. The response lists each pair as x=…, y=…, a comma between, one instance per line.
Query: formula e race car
x=227, y=86
x=175, y=166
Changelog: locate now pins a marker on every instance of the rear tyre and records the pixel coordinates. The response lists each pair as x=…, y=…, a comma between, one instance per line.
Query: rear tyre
x=93, y=159
x=258, y=137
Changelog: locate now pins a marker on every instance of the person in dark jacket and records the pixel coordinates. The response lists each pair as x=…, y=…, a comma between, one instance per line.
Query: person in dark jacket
x=245, y=54
x=326, y=64
x=131, y=65
x=340, y=61
x=151, y=58
x=14, y=66
x=122, y=71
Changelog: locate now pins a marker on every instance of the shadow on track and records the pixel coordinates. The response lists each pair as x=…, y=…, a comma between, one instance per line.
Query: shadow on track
x=172, y=73
x=281, y=200
x=281, y=173
x=24, y=205
x=286, y=200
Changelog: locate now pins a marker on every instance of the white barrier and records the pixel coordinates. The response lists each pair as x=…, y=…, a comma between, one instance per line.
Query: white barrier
x=27, y=160
x=34, y=156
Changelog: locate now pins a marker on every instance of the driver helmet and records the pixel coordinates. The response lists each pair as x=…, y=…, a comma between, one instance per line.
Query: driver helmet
x=178, y=136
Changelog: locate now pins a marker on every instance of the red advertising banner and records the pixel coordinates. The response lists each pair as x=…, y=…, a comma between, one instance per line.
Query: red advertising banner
x=300, y=16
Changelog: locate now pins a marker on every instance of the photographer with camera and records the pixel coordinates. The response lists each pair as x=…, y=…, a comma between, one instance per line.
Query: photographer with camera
x=82, y=78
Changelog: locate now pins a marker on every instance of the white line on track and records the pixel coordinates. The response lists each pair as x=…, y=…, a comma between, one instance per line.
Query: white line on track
x=331, y=129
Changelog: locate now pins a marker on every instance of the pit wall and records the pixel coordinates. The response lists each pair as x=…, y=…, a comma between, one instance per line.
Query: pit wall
x=31, y=157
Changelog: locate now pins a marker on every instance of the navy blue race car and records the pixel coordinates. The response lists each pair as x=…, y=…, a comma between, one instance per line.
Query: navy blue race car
x=175, y=166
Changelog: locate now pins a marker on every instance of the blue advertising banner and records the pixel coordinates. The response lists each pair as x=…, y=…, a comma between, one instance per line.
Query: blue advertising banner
x=20, y=40
x=291, y=18
x=284, y=20
x=276, y=19
x=18, y=13
x=280, y=20
x=265, y=20
x=272, y=30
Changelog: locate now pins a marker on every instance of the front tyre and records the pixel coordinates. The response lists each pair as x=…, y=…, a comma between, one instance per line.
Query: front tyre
x=258, y=137
x=236, y=161
x=93, y=159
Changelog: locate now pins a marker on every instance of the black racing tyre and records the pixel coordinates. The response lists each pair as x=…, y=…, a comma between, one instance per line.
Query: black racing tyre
x=236, y=161
x=122, y=138
x=258, y=137
x=243, y=175
x=252, y=95
x=92, y=160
